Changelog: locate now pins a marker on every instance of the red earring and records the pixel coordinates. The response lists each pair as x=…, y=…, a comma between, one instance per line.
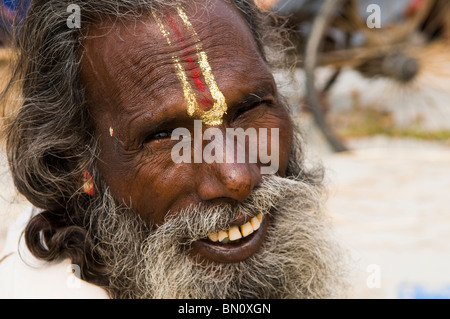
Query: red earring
x=88, y=184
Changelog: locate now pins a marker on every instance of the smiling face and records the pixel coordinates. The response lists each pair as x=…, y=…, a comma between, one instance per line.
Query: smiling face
x=145, y=79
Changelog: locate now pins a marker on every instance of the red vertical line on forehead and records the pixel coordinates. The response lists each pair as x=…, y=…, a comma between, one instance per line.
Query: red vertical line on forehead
x=194, y=68
x=189, y=95
x=214, y=116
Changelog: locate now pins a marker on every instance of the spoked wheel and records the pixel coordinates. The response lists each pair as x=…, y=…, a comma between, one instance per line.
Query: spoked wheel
x=311, y=55
x=340, y=37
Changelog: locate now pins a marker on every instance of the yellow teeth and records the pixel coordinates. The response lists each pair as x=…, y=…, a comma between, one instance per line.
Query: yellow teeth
x=246, y=229
x=222, y=235
x=213, y=237
x=235, y=232
x=255, y=223
x=259, y=216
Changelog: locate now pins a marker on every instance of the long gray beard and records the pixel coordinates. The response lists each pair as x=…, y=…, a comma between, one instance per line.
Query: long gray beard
x=298, y=259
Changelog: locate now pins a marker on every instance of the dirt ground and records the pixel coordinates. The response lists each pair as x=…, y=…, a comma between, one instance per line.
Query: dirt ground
x=389, y=203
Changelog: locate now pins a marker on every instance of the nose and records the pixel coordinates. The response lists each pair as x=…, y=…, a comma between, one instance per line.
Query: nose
x=228, y=181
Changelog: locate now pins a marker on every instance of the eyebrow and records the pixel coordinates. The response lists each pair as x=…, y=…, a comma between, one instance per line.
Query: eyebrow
x=147, y=126
x=248, y=100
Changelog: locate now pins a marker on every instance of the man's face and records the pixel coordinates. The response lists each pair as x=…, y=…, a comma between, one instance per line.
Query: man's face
x=137, y=97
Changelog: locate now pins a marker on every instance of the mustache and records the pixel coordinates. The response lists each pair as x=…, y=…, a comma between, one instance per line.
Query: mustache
x=197, y=221
x=297, y=259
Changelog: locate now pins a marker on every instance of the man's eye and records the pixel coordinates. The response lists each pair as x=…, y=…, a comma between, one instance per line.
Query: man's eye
x=159, y=136
x=248, y=108
x=243, y=110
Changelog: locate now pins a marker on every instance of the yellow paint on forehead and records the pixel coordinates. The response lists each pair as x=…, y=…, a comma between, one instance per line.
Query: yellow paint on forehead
x=189, y=94
x=214, y=116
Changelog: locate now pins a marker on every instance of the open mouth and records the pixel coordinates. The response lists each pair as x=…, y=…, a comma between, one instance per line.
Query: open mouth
x=235, y=244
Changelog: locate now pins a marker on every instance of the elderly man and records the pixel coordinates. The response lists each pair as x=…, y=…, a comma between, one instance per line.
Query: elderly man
x=92, y=148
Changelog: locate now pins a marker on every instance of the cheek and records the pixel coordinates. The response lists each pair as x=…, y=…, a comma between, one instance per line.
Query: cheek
x=156, y=188
x=150, y=183
x=285, y=146
x=284, y=143
x=279, y=139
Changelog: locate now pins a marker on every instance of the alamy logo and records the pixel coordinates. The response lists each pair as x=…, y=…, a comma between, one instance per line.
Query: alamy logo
x=74, y=279
x=239, y=146
x=374, y=279
x=374, y=19
x=74, y=19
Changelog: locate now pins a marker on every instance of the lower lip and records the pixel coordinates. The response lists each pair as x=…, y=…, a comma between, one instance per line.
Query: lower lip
x=231, y=252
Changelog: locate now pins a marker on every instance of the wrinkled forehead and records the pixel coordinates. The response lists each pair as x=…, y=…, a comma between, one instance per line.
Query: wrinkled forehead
x=123, y=56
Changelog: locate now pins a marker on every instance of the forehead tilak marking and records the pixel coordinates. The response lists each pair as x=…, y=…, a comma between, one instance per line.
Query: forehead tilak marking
x=193, y=68
x=214, y=116
x=189, y=94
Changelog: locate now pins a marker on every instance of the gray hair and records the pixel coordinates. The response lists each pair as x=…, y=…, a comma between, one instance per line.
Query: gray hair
x=49, y=138
x=50, y=141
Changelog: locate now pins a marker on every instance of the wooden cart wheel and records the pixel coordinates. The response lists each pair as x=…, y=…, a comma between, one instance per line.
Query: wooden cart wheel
x=381, y=53
x=310, y=63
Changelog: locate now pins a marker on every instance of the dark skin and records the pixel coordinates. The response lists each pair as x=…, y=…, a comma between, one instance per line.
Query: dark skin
x=132, y=87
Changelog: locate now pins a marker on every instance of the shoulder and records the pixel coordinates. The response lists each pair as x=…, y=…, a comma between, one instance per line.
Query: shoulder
x=23, y=276
x=46, y=280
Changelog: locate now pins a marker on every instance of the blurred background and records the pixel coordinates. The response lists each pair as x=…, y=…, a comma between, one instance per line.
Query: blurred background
x=370, y=85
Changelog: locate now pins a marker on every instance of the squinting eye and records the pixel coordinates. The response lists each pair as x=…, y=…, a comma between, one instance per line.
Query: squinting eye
x=162, y=135
x=159, y=135
x=246, y=109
